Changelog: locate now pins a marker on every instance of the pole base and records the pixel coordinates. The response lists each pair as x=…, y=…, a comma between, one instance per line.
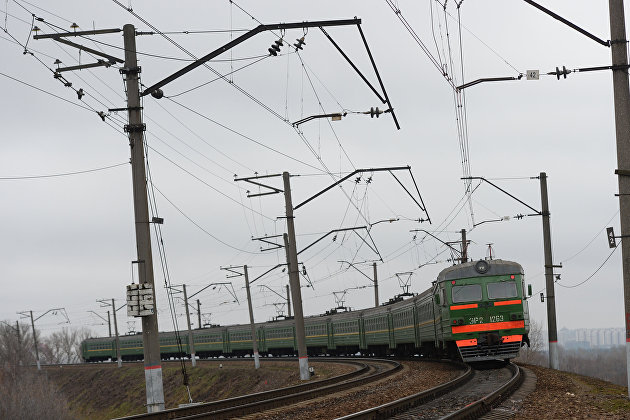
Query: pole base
x=304, y=373
x=256, y=360
x=155, y=388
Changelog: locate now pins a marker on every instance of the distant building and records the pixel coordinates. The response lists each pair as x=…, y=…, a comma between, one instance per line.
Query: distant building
x=584, y=338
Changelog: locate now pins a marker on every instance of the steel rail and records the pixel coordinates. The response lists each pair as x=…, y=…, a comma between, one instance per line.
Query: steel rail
x=252, y=403
x=404, y=404
x=485, y=404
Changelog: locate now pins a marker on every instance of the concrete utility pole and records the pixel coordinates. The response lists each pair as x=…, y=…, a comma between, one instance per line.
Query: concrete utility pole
x=199, y=313
x=464, y=247
x=135, y=128
x=551, y=294
x=39, y=367
x=191, y=344
x=109, y=324
x=621, y=94
x=289, y=301
x=294, y=280
x=251, y=320
x=118, y=356
x=375, y=286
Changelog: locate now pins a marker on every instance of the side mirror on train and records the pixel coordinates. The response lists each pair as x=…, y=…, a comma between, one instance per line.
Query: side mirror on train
x=529, y=290
x=437, y=299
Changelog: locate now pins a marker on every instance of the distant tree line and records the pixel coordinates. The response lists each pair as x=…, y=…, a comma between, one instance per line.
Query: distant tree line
x=26, y=393
x=608, y=364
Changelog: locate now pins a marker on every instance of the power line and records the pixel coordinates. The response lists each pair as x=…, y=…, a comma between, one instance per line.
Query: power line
x=199, y=226
x=240, y=89
x=592, y=240
x=243, y=135
x=592, y=275
x=204, y=182
x=48, y=93
x=261, y=58
x=10, y=178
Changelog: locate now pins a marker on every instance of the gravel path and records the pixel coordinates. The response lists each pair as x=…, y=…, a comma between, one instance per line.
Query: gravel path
x=414, y=377
x=563, y=395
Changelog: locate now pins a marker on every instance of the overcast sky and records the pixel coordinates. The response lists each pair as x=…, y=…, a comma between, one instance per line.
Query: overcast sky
x=67, y=241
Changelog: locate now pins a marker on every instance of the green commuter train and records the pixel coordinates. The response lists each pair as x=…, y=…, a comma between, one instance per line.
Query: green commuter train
x=474, y=311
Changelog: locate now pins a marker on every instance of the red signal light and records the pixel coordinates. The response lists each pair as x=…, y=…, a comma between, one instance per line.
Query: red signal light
x=512, y=276
x=453, y=282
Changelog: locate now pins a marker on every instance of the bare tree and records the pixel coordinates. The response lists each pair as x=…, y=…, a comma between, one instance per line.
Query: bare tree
x=29, y=396
x=25, y=393
x=64, y=346
x=16, y=346
x=533, y=354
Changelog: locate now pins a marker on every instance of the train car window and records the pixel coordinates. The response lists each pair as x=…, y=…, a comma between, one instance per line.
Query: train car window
x=501, y=290
x=471, y=292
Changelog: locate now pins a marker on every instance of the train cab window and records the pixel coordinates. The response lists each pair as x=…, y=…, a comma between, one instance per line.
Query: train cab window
x=468, y=293
x=501, y=290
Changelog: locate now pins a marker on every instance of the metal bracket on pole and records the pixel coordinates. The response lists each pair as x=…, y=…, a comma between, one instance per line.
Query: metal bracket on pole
x=566, y=22
x=265, y=240
x=226, y=47
x=354, y=229
x=488, y=79
x=274, y=190
x=99, y=63
x=539, y=213
x=420, y=204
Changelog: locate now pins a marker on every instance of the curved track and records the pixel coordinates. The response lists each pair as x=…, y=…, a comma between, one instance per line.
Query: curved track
x=467, y=397
x=367, y=370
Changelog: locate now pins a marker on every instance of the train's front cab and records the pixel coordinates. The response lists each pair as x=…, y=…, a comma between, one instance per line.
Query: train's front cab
x=485, y=306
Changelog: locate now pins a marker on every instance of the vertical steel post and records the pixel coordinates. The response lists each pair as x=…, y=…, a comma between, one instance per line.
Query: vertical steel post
x=199, y=313
x=150, y=338
x=118, y=356
x=551, y=294
x=464, y=247
x=294, y=280
x=375, y=286
x=109, y=324
x=621, y=95
x=288, y=301
x=191, y=343
x=251, y=320
x=39, y=367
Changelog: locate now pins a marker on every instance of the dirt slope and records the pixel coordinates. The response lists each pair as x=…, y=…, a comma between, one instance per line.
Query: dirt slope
x=103, y=391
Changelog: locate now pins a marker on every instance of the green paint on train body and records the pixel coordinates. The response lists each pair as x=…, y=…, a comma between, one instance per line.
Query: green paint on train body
x=483, y=301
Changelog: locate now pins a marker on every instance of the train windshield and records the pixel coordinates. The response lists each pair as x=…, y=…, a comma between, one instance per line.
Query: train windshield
x=501, y=290
x=471, y=292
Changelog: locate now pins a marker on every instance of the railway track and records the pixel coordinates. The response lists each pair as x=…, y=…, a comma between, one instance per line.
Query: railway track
x=468, y=396
x=367, y=370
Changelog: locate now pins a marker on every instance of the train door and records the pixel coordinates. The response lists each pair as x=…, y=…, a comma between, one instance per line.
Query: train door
x=390, y=328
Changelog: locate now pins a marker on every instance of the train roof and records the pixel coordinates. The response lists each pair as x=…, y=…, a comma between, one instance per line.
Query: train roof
x=470, y=269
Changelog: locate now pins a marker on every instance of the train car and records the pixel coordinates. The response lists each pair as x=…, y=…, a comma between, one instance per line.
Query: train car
x=474, y=311
x=483, y=308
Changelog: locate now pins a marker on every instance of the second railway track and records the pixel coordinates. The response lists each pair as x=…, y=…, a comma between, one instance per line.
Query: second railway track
x=367, y=370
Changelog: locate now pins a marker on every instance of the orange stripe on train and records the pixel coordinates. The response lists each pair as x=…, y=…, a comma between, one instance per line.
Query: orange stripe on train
x=469, y=306
x=488, y=327
x=508, y=302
